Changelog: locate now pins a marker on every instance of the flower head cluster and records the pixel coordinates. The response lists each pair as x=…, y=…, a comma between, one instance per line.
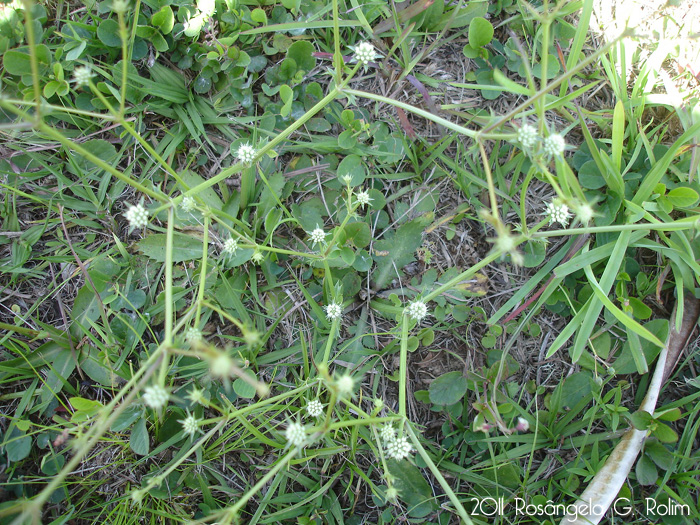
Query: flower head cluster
x=334, y=310
x=388, y=433
x=187, y=204
x=363, y=198
x=554, y=145
x=82, y=76
x=584, y=212
x=230, y=246
x=417, y=310
x=196, y=395
x=345, y=385
x=398, y=448
x=221, y=365
x=317, y=236
x=193, y=335
x=295, y=434
x=155, y=396
x=190, y=425
x=528, y=136
x=137, y=216
x=365, y=53
x=246, y=154
x=314, y=408
x=557, y=212
x=258, y=257
x=120, y=6
x=506, y=244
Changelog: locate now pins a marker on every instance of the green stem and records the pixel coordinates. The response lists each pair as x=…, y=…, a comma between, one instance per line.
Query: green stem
x=329, y=342
x=337, y=57
x=459, y=508
x=31, y=41
x=231, y=170
x=202, y=270
x=403, y=366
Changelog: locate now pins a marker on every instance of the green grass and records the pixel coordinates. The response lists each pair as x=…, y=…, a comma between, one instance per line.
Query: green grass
x=175, y=307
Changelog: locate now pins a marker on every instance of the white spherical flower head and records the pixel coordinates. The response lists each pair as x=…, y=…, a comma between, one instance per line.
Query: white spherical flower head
x=230, y=246
x=193, y=335
x=334, y=311
x=522, y=425
x=257, y=257
x=190, y=425
x=221, y=365
x=365, y=53
x=137, y=216
x=398, y=448
x=345, y=385
x=317, y=236
x=314, y=408
x=82, y=76
x=363, y=198
x=417, y=310
x=188, y=204
x=557, y=213
x=554, y=145
x=387, y=433
x=196, y=395
x=120, y=6
x=246, y=153
x=584, y=213
x=155, y=396
x=295, y=434
x=528, y=136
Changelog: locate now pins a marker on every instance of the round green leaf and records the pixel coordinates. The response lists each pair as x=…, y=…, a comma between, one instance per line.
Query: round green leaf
x=108, y=33
x=244, y=389
x=448, y=388
x=682, y=197
x=302, y=53
x=139, y=441
x=352, y=166
x=480, y=32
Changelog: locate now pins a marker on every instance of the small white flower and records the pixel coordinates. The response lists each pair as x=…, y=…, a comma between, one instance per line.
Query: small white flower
x=221, y=365
x=230, y=246
x=388, y=433
x=584, y=212
x=120, y=6
x=246, y=153
x=295, y=434
x=554, y=145
x=190, y=425
x=363, y=198
x=345, y=385
x=82, y=76
x=483, y=427
x=314, y=408
x=188, y=204
x=155, y=396
x=557, y=212
x=334, y=311
x=527, y=136
x=257, y=257
x=417, y=310
x=522, y=425
x=365, y=53
x=193, y=335
x=398, y=448
x=506, y=244
x=318, y=236
x=137, y=216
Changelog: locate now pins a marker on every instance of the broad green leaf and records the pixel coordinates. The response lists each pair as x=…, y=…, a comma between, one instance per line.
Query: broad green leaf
x=664, y=433
x=573, y=389
x=126, y=418
x=448, y=389
x=185, y=247
x=108, y=33
x=682, y=197
x=534, y=253
x=659, y=454
x=353, y=167
x=17, y=444
x=646, y=471
x=139, y=441
x=164, y=19
x=52, y=463
x=412, y=488
x=18, y=62
x=244, y=389
x=61, y=367
x=395, y=251
x=480, y=32
x=302, y=53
